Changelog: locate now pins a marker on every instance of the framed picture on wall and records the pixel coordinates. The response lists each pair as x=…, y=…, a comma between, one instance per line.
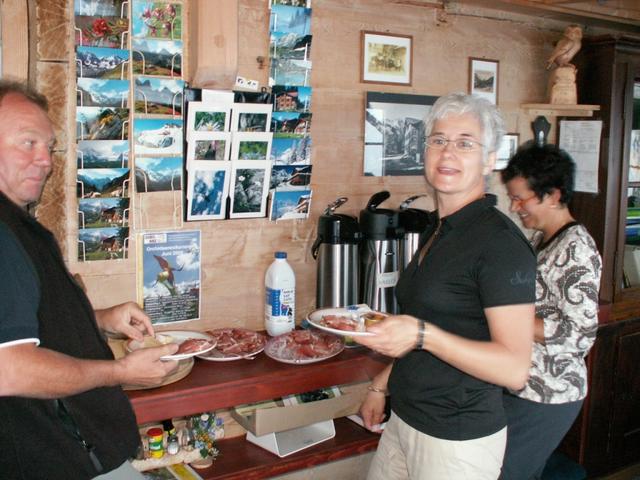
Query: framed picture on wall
x=506, y=150
x=483, y=78
x=386, y=58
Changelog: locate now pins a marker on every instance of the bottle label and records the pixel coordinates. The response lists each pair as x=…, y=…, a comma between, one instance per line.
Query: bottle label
x=280, y=302
x=389, y=279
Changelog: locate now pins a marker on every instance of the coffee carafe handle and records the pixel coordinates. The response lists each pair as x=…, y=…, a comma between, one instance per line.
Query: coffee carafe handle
x=404, y=205
x=334, y=205
x=315, y=247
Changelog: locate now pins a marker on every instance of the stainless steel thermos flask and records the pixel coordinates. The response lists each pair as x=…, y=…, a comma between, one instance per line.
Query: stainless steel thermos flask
x=413, y=222
x=336, y=250
x=380, y=260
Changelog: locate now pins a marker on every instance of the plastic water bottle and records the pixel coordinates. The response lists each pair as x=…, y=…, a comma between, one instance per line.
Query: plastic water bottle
x=280, y=296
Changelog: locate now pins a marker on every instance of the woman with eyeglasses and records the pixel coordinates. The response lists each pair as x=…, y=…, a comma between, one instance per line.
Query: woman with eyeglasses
x=466, y=327
x=539, y=182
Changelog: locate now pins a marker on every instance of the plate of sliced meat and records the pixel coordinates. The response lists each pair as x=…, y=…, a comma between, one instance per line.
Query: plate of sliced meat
x=234, y=344
x=303, y=346
x=340, y=321
x=190, y=343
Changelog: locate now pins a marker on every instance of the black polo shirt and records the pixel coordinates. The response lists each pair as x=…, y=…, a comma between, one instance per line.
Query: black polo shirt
x=480, y=259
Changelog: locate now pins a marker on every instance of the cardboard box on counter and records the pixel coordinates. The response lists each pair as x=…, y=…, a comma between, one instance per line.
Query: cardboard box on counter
x=275, y=418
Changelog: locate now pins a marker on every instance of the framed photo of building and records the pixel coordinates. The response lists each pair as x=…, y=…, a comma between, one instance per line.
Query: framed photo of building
x=483, y=78
x=386, y=58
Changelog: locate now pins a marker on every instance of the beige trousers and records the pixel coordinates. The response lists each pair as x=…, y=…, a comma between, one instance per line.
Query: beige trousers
x=405, y=453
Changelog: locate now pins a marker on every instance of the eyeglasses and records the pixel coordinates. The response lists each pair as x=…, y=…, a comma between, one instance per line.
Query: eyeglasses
x=438, y=142
x=521, y=201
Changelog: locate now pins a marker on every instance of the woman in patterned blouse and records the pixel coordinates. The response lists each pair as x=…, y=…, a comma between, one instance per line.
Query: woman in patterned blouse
x=539, y=182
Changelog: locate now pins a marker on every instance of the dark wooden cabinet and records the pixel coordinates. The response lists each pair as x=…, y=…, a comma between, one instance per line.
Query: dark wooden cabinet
x=607, y=69
x=606, y=435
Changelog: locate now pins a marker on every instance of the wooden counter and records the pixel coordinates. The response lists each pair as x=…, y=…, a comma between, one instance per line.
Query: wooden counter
x=219, y=385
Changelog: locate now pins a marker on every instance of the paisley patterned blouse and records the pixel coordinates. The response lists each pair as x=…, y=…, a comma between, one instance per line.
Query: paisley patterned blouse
x=567, y=284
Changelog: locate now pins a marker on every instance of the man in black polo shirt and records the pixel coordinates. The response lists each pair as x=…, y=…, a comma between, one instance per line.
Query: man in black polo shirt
x=64, y=414
x=467, y=325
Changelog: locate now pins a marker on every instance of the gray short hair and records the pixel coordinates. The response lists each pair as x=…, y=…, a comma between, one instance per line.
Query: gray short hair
x=8, y=87
x=488, y=115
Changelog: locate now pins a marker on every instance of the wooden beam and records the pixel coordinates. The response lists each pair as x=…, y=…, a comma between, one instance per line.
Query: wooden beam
x=15, y=39
x=214, y=43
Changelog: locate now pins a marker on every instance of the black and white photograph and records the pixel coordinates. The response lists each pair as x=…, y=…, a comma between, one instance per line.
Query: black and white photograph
x=102, y=182
x=394, y=140
x=105, y=63
x=288, y=151
x=158, y=96
x=156, y=57
x=249, y=189
x=208, y=190
x=251, y=146
x=251, y=117
x=102, y=154
x=96, y=92
x=290, y=204
x=97, y=123
x=291, y=99
x=103, y=212
x=207, y=117
x=154, y=136
x=102, y=243
x=209, y=146
x=285, y=176
x=158, y=174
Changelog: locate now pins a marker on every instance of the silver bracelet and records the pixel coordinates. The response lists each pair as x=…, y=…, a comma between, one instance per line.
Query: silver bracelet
x=371, y=388
x=422, y=331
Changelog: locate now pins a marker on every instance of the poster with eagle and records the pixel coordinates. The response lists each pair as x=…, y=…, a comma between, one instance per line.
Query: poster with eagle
x=169, y=275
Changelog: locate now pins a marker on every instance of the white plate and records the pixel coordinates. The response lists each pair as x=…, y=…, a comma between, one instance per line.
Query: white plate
x=173, y=336
x=283, y=347
x=216, y=355
x=315, y=318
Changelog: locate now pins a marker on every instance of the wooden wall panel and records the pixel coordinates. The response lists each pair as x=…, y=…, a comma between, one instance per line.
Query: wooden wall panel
x=236, y=253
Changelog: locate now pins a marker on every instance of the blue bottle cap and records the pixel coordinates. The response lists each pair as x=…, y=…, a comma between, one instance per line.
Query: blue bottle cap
x=281, y=255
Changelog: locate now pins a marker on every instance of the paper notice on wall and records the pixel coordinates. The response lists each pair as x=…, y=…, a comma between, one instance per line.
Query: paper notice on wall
x=581, y=139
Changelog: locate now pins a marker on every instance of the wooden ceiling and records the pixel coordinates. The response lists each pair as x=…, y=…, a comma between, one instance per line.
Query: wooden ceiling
x=622, y=15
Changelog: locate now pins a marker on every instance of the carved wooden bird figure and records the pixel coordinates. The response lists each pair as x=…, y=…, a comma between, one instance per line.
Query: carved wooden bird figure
x=566, y=47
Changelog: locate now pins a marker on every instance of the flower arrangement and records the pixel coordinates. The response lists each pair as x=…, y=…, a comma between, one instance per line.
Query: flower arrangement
x=162, y=20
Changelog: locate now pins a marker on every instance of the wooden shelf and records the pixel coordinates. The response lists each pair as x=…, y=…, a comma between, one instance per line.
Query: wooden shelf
x=241, y=460
x=217, y=385
x=555, y=110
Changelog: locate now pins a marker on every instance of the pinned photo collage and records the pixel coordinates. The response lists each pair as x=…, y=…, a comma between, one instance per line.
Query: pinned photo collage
x=228, y=157
x=290, y=72
x=128, y=63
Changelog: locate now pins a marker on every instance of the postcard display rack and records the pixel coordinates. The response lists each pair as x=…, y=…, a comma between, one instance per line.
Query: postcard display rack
x=241, y=149
x=129, y=91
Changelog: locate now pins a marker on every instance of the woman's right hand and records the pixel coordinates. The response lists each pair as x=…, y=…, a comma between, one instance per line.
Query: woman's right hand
x=372, y=411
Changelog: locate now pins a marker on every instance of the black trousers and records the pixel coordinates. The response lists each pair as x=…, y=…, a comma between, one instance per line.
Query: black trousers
x=534, y=430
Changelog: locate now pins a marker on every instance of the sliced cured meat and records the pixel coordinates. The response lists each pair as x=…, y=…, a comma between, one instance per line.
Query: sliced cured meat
x=304, y=346
x=232, y=343
x=340, y=322
x=193, y=345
